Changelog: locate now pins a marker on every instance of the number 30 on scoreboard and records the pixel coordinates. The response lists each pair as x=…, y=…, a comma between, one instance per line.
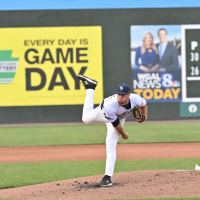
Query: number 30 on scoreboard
x=190, y=63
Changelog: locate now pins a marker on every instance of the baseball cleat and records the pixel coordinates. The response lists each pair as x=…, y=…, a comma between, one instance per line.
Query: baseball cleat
x=105, y=182
x=87, y=82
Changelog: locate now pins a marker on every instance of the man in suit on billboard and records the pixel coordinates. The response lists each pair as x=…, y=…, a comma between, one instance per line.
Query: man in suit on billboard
x=168, y=55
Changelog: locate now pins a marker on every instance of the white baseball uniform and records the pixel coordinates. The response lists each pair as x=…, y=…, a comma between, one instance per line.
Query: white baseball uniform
x=108, y=112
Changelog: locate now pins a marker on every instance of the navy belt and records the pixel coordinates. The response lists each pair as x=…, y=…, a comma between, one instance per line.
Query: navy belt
x=102, y=104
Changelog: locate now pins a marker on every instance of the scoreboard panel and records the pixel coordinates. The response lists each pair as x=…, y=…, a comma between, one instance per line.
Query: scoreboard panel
x=190, y=63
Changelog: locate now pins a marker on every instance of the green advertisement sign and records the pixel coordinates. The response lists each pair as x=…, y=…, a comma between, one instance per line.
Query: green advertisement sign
x=191, y=109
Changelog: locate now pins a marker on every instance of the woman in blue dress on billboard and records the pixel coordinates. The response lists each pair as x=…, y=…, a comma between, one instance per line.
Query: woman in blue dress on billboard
x=148, y=55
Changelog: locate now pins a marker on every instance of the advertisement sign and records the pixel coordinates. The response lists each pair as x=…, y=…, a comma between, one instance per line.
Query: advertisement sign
x=38, y=66
x=191, y=109
x=156, y=62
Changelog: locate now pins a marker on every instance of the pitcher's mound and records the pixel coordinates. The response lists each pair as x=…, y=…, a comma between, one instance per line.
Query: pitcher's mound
x=126, y=185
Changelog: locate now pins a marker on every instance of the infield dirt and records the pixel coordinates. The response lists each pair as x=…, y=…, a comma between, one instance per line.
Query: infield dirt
x=127, y=185
x=98, y=152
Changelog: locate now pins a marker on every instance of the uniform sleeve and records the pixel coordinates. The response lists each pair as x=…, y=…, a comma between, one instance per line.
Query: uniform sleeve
x=140, y=101
x=115, y=123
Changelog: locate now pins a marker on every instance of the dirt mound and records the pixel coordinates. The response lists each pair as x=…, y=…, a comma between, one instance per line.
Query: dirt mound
x=139, y=184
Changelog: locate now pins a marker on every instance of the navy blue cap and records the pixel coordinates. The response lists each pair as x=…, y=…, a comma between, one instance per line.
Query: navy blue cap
x=123, y=89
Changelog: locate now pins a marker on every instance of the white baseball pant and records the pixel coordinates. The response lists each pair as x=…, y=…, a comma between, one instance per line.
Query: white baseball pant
x=93, y=116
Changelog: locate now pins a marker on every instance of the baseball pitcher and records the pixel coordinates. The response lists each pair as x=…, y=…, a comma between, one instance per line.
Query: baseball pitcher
x=112, y=111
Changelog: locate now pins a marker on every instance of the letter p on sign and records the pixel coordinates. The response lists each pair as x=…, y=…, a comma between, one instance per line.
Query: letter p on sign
x=194, y=44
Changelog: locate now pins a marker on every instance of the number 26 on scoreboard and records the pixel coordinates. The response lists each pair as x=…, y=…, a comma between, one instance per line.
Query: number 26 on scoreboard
x=194, y=71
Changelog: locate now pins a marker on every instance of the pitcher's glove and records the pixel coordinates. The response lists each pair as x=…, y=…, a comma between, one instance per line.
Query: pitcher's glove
x=138, y=114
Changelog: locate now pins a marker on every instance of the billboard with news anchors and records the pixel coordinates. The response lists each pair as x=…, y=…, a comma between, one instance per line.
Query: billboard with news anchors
x=156, y=62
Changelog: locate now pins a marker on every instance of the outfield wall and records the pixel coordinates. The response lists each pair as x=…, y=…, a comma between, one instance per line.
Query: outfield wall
x=114, y=63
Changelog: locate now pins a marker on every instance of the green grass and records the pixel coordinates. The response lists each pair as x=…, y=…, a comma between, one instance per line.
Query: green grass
x=22, y=174
x=96, y=134
x=52, y=135
x=1, y=198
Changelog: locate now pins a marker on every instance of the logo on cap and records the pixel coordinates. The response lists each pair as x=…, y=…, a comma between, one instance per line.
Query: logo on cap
x=123, y=89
